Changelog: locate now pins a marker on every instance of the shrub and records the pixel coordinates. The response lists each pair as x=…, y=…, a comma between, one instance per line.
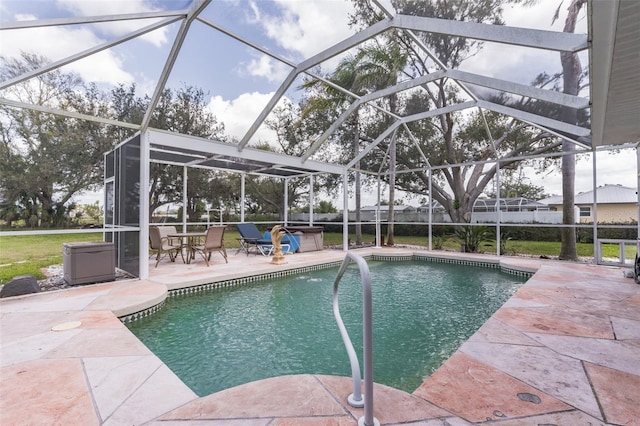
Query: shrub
x=471, y=237
x=438, y=242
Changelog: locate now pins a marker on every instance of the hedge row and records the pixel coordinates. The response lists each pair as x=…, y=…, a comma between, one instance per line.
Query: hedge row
x=520, y=233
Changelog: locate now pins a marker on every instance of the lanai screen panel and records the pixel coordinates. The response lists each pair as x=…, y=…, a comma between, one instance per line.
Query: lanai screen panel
x=122, y=204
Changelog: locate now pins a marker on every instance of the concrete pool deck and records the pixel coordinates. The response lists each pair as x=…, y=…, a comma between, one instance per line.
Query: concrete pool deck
x=564, y=350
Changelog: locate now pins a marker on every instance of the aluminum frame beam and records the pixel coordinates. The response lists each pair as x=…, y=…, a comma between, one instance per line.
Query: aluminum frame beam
x=88, y=52
x=493, y=83
x=71, y=114
x=538, y=39
x=536, y=119
x=549, y=40
x=520, y=89
x=37, y=23
x=196, y=7
x=329, y=53
x=164, y=138
x=407, y=119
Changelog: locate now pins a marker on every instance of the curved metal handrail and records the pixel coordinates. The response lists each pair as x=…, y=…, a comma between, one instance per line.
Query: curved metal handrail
x=356, y=399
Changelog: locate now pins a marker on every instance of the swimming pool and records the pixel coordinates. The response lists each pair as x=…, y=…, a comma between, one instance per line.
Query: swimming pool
x=422, y=312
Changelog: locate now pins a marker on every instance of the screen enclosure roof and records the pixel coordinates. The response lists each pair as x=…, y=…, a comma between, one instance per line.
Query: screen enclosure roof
x=170, y=148
x=612, y=42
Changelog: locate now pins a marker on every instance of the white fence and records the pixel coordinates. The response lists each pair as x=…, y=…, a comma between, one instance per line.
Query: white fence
x=537, y=216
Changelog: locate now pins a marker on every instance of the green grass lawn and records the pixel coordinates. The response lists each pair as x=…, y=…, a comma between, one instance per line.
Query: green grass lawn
x=20, y=255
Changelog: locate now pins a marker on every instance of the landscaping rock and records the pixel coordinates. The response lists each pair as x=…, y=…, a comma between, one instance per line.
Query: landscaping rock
x=24, y=284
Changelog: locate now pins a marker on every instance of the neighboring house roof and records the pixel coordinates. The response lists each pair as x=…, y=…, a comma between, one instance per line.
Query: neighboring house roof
x=436, y=206
x=552, y=201
x=607, y=194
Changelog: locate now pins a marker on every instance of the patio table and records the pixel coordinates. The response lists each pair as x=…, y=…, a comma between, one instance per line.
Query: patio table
x=188, y=241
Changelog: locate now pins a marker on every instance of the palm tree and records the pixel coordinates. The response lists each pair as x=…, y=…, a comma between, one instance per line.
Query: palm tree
x=377, y=67
x=374, y=67
x=332, y=98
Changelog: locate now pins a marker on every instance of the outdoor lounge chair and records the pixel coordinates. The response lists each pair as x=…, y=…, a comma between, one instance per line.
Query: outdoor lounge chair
x=250, y=237
x=214, y=241
x=162, y=245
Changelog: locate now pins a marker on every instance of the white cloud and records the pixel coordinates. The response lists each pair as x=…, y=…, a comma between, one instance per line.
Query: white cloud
x=117, y=28
x=60, y=42
x=613, y=168
x=306, y=27
x=266, y=67
x=540, y=16
x=239, y=114
x=518, y=63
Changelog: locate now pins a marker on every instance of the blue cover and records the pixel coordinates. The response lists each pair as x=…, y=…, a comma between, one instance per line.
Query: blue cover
x=292, y=240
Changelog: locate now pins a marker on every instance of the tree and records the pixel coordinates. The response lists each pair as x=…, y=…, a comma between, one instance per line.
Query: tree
x=265, y=194
x=452, y=138
x=379, y=66
x=571, y=71
x=329, y=98
x=46, y=159
x=182, y=111
x=94, y=211
x=326, y=207
x=292, y=135
x=514, y=184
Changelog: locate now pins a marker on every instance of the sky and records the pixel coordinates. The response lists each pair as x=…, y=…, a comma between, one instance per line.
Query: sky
x=240, y=80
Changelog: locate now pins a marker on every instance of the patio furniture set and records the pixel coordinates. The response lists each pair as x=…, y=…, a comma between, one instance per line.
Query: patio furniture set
x=166, y=240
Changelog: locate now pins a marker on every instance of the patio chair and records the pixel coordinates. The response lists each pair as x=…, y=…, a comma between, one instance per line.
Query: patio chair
x=250, y=237
x=161, y=245
x=213, y=241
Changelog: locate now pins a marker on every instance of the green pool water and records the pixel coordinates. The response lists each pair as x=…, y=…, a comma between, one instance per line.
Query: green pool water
x=422, y=312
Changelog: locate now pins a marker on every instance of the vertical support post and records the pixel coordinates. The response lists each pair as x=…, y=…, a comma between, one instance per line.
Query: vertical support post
x=144, y=206
x=621, y=252
x=596, y=247
x=311, y=200
x=499, y=213
x=286, y=201
x=184, y=199
x=345, y=211
x=430, y=174
x=242, y=184
x=378, y=215
x=638, y=192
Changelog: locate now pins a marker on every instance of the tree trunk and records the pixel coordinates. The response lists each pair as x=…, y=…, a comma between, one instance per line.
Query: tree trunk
x=571, y=70
x=568, y=235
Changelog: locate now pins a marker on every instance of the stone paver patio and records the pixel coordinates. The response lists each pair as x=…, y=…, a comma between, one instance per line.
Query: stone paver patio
x=564, y=350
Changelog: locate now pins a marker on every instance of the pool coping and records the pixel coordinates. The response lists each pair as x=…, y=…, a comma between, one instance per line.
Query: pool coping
x=191, y=288
x=32, y=353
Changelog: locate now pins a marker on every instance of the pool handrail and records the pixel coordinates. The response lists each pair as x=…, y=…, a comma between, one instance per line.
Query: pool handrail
x=356, y=399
